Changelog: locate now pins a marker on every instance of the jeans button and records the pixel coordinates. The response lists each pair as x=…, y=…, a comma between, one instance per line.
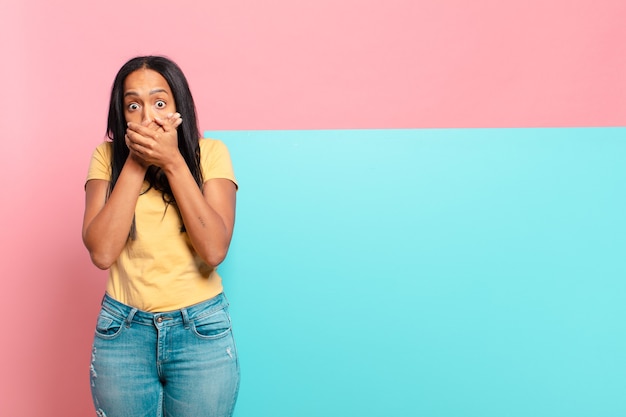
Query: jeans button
x=159, y=319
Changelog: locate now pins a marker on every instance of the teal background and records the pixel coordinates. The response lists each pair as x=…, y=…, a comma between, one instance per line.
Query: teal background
x=429, y=272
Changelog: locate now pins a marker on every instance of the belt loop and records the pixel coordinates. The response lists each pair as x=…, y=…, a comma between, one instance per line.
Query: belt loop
x=185, y=315
x=129, y=319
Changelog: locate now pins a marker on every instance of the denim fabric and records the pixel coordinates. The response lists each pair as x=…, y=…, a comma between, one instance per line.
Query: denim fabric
x=174, y=364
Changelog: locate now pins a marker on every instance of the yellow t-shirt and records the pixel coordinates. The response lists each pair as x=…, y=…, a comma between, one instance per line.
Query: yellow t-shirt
x=159, y=270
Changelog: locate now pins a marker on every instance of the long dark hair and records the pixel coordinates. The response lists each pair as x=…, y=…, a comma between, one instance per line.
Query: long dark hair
x=188, y=132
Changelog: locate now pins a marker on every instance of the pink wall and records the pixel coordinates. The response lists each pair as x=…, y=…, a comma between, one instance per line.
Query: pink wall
x=253, y=65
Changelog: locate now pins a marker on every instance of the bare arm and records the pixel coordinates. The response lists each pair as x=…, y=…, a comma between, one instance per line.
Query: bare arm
x=208, y=214
x=107, y=222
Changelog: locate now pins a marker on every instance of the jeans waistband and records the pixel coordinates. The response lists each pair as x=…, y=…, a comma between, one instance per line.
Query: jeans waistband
x=182, y=316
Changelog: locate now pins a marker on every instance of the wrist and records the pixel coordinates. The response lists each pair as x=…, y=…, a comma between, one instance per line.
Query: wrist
x=175, y=164
x=135, y=165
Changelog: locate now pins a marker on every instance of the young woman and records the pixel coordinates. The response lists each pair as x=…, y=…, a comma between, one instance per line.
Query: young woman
x=159, y=214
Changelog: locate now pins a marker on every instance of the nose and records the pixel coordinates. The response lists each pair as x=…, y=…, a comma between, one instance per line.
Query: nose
x=147, y=115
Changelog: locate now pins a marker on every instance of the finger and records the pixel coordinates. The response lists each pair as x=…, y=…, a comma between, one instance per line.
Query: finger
x=156, y=127
x=174, y=120
x=132, y=147
x=167, y=125
x=145, y=131
x=153, y=125
x=171, y=118
x=138, y=142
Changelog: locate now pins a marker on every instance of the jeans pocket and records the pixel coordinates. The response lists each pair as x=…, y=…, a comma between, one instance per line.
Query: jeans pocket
x=212, y=326
x=108, y=325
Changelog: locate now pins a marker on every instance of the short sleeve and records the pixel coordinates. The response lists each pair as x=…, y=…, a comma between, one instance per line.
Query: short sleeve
x=100, y=165
x=215, y=161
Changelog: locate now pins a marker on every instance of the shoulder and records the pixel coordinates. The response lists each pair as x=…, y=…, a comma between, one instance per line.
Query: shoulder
x=100, y=165
x=215, y=160
x=213, y=151
x=104, y=150
x=208, y=145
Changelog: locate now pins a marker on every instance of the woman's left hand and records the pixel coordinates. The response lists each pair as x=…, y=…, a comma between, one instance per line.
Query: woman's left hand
x=154, y=142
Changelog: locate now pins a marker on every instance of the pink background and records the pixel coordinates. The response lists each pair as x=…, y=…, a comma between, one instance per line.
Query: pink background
x=253, y=65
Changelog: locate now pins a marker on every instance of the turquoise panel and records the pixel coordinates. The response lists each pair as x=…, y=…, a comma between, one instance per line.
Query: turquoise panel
x=456, y=273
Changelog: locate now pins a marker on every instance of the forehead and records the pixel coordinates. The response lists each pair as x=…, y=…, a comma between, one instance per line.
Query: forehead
x=145, y=80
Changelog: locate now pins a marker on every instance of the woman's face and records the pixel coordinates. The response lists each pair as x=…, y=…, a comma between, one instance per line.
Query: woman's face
x=147, y=95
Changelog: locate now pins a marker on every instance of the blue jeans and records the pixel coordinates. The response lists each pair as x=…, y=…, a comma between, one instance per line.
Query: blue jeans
x=175, y=364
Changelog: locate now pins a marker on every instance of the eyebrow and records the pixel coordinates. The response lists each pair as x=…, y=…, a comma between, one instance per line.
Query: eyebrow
x=155, y=91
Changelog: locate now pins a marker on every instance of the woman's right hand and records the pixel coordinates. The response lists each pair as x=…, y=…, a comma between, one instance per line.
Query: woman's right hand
x=153, y=142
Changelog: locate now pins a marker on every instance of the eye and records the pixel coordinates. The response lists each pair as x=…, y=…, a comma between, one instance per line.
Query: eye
x=133, y=106
x=160, y=104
